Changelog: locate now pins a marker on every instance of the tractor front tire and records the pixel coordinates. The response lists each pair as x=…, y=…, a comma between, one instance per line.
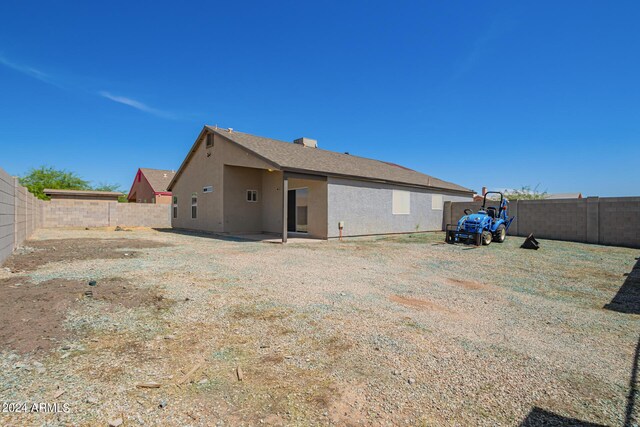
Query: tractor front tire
x=500, y=234
x=486, y=238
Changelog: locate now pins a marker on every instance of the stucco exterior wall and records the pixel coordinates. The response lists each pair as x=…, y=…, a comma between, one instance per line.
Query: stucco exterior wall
x=317, y=205
x=141, y=190
x=272, y=201
x=366, y=208
x=206, y=168
x=241, y=216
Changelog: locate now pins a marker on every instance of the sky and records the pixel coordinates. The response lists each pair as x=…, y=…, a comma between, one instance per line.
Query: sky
x=499, y=94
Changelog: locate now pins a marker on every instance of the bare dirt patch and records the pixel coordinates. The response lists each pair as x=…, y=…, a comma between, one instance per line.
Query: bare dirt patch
x=41, y=252
x=466, y=284
x=416, y=303
x=32, y=315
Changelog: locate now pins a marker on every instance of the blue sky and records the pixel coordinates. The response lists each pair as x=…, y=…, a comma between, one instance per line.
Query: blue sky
x=502, y=94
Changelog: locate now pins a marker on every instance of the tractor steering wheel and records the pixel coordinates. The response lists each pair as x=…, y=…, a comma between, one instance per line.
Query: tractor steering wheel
x=468, y=211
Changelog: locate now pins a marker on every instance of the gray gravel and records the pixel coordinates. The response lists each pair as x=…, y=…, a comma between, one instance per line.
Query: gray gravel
x=381, y=331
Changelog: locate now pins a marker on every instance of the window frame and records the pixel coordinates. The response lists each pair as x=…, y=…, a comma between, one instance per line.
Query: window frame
x=175, y=206
x=194, y=205
x=398, y=202
x=209, y=141
x=440, y=205
x=251, y=196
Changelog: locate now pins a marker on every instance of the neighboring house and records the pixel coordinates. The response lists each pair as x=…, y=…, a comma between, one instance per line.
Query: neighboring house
x=233, y=182
x=94, y=196
x=564, y=196
x=150, y=186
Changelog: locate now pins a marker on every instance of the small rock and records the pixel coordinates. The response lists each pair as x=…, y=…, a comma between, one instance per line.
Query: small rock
x=396, y=372
x=115, y=423
x=118, y=228
x=92, y=400
x=342, y=294
x=41, y=370
x=162, y=404
x=203, y=381
x=92, y=283
x=66, y=347
x=169, y=337
x=411, y=381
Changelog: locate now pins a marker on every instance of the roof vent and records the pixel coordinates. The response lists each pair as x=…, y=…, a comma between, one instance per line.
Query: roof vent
x=306, y=142
x=230, y=130
x=164, y=175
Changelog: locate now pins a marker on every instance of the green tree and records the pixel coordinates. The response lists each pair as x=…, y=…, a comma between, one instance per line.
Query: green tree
x=36, y=180
x=525, y=193
x=103, y=186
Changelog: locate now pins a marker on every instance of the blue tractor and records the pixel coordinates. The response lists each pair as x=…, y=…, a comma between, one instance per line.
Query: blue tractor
x=481, y=228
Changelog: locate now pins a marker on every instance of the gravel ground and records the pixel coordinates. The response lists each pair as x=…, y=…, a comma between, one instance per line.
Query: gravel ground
x=382, y=331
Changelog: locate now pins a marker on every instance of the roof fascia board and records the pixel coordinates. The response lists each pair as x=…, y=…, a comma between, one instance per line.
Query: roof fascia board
x=381, y=181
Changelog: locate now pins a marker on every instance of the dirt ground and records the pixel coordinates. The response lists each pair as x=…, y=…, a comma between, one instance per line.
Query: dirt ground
x=165, y=328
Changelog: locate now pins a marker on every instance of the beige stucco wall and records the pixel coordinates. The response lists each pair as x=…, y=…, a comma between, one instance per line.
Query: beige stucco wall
x=317, y=205
x=241, y=216
x=141, y=190
x=272, y=201
x=203, y=170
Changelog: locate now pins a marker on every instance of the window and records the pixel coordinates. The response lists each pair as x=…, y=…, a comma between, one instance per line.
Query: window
x=252, y=195
x=175, y=207
x=207, y=189
x=209, y=140
x=401, y=201
x=194, y=205
x=437, y=202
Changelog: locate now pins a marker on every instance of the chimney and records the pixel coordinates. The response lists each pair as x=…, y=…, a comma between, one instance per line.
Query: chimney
x=484, y=190
x=306, y=142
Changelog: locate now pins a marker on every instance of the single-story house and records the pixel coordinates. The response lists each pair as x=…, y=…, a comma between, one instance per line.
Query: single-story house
x=90, y=195
x=233, y=182
x=150, y=186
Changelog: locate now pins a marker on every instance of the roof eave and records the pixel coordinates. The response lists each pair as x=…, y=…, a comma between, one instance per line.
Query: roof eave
x=382, y=181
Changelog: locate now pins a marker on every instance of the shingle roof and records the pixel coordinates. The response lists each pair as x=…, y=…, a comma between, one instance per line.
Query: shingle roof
x=296, y=157
x=158, y=179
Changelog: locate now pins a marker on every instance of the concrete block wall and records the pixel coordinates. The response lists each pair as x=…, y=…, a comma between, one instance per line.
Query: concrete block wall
x=19, y=214
x=7, y=215
x=141, y=215
x=86, y=213
x=600, y=220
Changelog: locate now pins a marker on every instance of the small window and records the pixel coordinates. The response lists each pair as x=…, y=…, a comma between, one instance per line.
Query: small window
x=252, y=195
x=175, y=207
x=207, y=189
x=401, y=201
x=209, y=140
x=194, y=206
x=437, y=202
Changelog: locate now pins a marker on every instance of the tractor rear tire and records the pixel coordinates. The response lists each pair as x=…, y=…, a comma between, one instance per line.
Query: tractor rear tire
x=500, y=234
x=486, y=238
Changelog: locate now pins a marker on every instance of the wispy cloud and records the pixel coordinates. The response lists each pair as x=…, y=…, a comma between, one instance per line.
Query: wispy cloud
x=137, y=105
x=57, y=82
x=28, y=71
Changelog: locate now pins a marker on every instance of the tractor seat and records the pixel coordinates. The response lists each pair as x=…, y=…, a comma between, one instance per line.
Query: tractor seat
x=491, y=212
